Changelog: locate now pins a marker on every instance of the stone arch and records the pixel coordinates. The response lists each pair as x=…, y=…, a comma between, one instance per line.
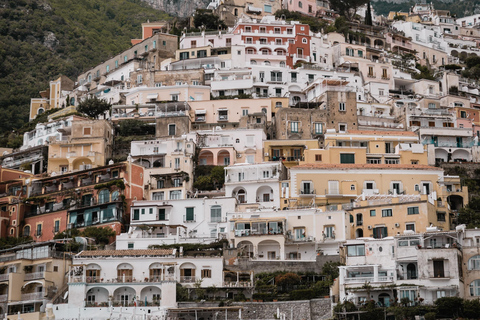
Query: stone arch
x=188, y=272
x=97, y=296
x=264, y=194
x=441, y=155
x=269, y=250
x=83, y=161
x=150, y=295
x=359, y=233
x=124, y=296
x=240, y=194
x=206, y=157
x=143, y=162
x=461, y=155
x=223, y=158
x=246, y=248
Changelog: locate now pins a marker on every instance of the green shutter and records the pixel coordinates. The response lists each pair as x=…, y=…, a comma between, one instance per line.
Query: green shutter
x=136, y=214
x=347, y=158
x=161, y=214
x=190, y=215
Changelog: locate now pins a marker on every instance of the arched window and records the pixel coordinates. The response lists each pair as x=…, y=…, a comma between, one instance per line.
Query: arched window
x=278, y=104
x=264, y=110
x=266, y=63
x=236, y=12
x=40, y=111
x=282, y=64
x=115, y=195
x=474, y=263
x=26, y=231
x=304, y=40
x=103, y=196
x=475, y=288
x=253, y=62
x=237, y=140
x=300, y=5
x=352, y=187
x=296, y=99
x=411, y=271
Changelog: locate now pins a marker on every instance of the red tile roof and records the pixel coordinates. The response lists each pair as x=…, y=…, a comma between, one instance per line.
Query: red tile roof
x=384, y=133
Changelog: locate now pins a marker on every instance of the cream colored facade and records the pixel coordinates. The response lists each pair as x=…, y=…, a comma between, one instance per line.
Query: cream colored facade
x=30, y=275
x=368, y=147
x=53, y=98
x=87, y=145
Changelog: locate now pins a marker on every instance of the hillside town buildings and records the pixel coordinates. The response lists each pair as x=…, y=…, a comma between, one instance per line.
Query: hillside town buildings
x=288, y=147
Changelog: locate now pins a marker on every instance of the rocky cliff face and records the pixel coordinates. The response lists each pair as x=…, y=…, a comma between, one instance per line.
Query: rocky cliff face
x=178, y=8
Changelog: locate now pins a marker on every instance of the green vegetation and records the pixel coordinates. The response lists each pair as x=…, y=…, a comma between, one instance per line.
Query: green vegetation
x=101, y=235
x=316, y=25
x=10, y=242
x=473, y=68
x=41, y=40
x=93, y=107
x=347, y=8
x=134, y=127
x=209, y=177
x=208, y=20
x=425, y=73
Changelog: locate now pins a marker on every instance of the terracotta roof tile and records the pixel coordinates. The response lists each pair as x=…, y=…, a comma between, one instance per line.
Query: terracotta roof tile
x=365, y=166
x=123, y=253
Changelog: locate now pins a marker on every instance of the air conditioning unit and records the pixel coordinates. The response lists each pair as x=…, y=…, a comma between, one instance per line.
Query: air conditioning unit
x=397, y=225
x=369, y=227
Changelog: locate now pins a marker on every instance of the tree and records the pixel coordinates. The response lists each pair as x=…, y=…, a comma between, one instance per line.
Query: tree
x=101, y=235
x=330, y=269
x=208, y=20
x=93, y=107
x=347, y=8
x=368, y=15
x=449, y=307
x=287, y=281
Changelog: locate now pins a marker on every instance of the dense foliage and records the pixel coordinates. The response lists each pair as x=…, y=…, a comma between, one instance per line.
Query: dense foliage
x=209, y=177
x=93, y=107
x=39, y=40
x=208, y=20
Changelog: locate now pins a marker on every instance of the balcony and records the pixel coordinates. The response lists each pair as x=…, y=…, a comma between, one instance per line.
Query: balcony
x=190, y=219
x=187, y=279
x=439, y=275
x=33, y=296
x=333, y=192
x=222, y=118
x=307, y=192
x=72, y=154
x=3, y=297
x=34, y=275
x=367, y=279
x=239, y=284
x=4, y=277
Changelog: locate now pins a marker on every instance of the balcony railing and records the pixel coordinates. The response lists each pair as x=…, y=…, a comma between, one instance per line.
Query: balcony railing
x=34, y=275
x=187, y=279
x=368, y=279
x=33, y=296
x=307, y=192
x=4, y=277
x=3, y=298
x=241, y=284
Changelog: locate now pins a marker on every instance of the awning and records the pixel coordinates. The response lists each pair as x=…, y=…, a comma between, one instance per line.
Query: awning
x=254, y=9
x=200, y=111
x=152, y=96
x=224, y=109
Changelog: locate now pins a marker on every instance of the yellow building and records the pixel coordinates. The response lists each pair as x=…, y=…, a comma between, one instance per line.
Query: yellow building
x=29, y=275
x=87, y=144
x=290, y=152
x=368, y=147
x=53, y=98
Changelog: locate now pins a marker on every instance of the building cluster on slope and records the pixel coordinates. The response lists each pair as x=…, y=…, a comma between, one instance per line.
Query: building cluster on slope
x=327, y=149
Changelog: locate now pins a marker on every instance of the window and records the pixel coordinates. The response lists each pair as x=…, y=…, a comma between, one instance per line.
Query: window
x=342, y=127
x=131, y=245
x=244, y=112
x=410, y=226
x=177, y=163
x=299, y=233
x=412, y=210
x=474, y=263
x=248, y=29
x=175, y=194
x=463, y=114
x=276, y=76
x=387, y=213
x=216, y=214
x=360, y=53
x=294, y=127
x=318, y=157
x=356, y=250
x=342, y=106
x=206, y=273
x=26, y=231
x=139, y=79
x=38, y=233
x=431, y=106
x=103, y=196
x=347, y=158
x=373, y=213
x=276, y=30
x=380, y=232
x=108, y=68
x=441, y=216
x=56, y=227
x=171, y=129
x=190, y=214
x=161, y=214
x=87, y=131
x=304, y=40
x=116, y=63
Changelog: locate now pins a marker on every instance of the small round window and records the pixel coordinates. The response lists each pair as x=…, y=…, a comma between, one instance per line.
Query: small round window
x=380, y=249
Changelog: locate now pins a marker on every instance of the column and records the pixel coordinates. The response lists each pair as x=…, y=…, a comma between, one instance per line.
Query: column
x=375, y=273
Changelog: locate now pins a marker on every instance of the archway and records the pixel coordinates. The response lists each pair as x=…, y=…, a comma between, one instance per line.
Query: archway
x=156, y=271
x=240, y=194
x=455, y=202
x=205, y=158
x=93, y=273
x=124, y=296
x=441, y=155
x=359, y=233
x=97, y=296
x=223, y=158
x=269, y=250
x=461, y=155
x=187, y=273
x=378, y=43
x=150, y=296
x=264, y=194
x=143, y=162
x=158, y=163
x=245, y=249
x=82, y=164
x=124, y=272
x=384, y=299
